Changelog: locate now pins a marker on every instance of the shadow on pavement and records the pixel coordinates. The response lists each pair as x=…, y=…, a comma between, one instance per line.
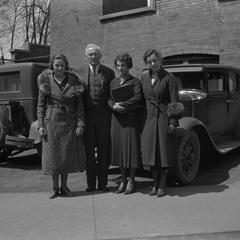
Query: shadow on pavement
x=183, y=191
x=215, y=174
x=192, y=190
x=217, y=169
x=96, y=192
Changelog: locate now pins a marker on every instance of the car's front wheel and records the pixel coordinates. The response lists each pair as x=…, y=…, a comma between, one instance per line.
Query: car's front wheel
x=188, y=158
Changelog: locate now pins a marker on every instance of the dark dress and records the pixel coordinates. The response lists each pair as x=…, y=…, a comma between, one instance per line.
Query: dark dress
x=158, y=146
x=60, y=112
x=124, y=126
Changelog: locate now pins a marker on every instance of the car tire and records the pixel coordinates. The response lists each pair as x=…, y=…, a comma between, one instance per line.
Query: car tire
x=188, y=158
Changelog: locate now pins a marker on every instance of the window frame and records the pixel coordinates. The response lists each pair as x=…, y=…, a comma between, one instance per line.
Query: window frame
x=224, y=90
x=19, y=82
x=149, y=8
x=226, y=0
x=237, y=81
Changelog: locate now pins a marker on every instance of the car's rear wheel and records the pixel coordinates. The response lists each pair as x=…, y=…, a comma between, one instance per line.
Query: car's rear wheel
x=188, y=158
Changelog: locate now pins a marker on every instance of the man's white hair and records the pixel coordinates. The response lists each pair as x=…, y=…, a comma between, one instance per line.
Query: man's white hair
x=92, y=47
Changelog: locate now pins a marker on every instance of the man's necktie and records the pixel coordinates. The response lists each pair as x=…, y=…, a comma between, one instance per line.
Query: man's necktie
x=94, y=70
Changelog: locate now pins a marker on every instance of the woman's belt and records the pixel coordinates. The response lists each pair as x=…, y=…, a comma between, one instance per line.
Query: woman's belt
x=61, y=106
x=157, y=103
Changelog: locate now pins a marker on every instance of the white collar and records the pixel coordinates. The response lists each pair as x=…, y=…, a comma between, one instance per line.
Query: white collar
x=91, y=67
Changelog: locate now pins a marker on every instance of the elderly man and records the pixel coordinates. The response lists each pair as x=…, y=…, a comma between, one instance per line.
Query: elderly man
x=96, y=78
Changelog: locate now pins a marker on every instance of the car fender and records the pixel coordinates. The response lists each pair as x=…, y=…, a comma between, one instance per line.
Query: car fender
x=34, y=133
x=186, y=124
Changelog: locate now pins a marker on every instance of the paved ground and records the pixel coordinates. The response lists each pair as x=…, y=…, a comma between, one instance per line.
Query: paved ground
x=208, y=209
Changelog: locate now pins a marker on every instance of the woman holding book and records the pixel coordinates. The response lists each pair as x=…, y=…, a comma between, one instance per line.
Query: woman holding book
x=125, y=100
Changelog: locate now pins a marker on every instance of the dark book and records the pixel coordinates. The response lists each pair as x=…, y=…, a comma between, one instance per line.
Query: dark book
x=122, y=93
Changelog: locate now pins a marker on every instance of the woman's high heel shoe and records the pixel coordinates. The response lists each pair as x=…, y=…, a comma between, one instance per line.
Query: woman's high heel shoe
x=161, y=192
x=54, y=194
x=121, y=187
x=153, y=191
x=65, y=191
x=162, y=185
x=130, y=188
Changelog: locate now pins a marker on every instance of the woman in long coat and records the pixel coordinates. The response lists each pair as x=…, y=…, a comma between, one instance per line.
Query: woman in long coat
x=60, y=123
x=158, y=138
x=125, y=100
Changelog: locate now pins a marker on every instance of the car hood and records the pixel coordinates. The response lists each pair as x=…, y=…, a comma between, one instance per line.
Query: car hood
x=193, y=94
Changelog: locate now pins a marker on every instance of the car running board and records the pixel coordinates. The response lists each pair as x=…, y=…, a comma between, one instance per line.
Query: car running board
x=225, y=147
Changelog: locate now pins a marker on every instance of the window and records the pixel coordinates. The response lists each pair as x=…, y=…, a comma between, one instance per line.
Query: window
x=215, y=82
x=118, y=8
x=191, y=58
x=233, y=86
x=190, y=80
x=113, y=6
x=226, y=0
x=10, y=82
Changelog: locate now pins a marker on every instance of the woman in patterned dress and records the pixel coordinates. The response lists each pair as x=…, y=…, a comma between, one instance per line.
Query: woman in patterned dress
x=124, y=126
x=60, y=123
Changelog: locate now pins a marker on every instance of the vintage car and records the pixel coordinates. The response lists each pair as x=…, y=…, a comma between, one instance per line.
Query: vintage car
x=18, y=104
x=211, y=121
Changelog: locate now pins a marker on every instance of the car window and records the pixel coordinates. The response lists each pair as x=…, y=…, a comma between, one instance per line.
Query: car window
x=232, y=81
x=190, y=80
x=10, y=82
x=215, y=81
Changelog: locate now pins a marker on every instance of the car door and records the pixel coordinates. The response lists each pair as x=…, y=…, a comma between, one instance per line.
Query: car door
x=216, y=106
x=233, y=104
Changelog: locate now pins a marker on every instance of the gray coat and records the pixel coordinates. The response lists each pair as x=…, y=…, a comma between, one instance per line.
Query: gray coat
x=60, y=112
x=158, y=146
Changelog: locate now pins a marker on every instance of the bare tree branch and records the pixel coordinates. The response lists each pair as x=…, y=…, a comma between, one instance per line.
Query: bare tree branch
x=31, y=15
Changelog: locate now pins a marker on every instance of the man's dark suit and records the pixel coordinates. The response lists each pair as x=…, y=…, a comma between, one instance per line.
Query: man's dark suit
x=98, y=122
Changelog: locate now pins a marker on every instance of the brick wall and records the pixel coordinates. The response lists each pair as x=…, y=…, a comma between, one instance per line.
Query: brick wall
x=230, y=33
x=177, y=27
x=74, y=24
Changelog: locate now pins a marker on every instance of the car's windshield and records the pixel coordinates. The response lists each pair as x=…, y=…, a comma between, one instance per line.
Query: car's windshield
x=190, y=80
